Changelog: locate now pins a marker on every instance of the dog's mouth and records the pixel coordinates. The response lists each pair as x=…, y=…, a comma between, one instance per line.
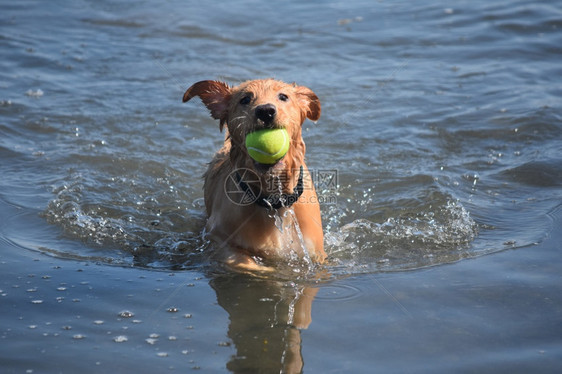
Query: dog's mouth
x=268, y=168
x=265, y=168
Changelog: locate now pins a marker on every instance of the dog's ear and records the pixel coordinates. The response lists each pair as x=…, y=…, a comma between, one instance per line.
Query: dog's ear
x=214, y=94
x=309, y=102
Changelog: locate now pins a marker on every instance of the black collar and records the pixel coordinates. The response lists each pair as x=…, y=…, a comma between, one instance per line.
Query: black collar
x=274, y=201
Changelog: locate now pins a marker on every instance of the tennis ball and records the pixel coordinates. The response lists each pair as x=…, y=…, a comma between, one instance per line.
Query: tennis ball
x=268, y=146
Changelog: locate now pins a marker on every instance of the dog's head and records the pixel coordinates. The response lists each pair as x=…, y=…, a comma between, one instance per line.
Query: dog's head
x=255, y=105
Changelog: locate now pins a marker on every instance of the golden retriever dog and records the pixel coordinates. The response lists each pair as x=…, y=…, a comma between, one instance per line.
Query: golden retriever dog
x=260, y=215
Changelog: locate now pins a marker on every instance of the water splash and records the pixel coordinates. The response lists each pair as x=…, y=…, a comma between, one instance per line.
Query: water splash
x=299, y=261
x=140, y=225
x=409, y=241
x=143, y=230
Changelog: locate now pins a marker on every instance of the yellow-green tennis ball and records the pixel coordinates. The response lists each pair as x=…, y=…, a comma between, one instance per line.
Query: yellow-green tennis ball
x=268, y=146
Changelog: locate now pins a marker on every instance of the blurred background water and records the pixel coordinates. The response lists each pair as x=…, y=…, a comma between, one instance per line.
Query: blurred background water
x=442, y=124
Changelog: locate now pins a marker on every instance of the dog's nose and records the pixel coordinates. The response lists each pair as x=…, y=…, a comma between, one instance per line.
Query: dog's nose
x=266, y=113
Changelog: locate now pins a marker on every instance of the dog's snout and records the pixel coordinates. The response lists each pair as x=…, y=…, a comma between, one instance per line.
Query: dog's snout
x=266, y=113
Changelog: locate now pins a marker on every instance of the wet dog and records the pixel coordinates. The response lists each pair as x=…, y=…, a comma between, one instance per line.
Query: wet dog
x=260, y=215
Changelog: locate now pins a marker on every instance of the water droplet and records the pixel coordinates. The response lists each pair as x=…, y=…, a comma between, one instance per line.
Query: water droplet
x=120, y=339
x=126, y=314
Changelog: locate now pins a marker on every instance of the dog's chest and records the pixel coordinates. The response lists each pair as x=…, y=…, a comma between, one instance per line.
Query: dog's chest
x=269, y=234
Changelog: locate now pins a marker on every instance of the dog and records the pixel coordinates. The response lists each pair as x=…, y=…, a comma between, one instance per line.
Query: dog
x=277, y=219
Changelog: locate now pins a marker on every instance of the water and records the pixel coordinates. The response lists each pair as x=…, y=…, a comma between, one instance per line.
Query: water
x=437, y=157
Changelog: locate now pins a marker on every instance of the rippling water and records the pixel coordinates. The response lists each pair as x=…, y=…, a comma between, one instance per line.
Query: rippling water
x=441, y=124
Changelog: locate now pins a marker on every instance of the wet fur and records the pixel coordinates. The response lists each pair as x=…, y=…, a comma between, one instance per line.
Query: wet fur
x=247, y=237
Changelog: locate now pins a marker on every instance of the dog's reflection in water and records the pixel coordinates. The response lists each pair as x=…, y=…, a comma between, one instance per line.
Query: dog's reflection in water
x=266, y=317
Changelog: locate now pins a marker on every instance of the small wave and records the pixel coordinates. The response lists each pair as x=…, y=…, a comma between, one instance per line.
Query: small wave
x=413, y=241
x=155, y=240
x=419, y=238
x=149, y=228
x=536, y=173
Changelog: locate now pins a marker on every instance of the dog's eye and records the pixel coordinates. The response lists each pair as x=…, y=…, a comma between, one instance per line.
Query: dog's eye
x=246, y=100
x=283, y=97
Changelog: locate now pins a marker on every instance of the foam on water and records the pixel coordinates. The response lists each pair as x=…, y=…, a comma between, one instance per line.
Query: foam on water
x=441, y=233
x=145, y=231
x=403, y=242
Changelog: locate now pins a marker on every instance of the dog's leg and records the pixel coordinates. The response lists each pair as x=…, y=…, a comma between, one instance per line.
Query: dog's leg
x=243, y=263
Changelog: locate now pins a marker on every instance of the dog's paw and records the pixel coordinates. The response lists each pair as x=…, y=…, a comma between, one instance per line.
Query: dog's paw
x=245, y=264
